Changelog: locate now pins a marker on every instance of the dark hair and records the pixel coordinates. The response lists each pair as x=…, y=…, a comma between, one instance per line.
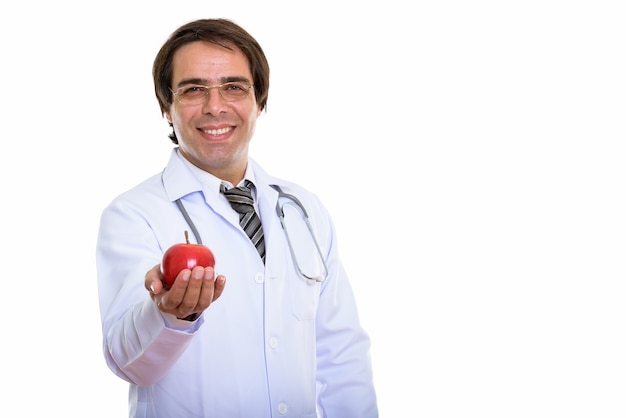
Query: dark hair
x=221, y=32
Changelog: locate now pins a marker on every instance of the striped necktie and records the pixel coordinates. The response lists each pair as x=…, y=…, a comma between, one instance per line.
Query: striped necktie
x=240, y=199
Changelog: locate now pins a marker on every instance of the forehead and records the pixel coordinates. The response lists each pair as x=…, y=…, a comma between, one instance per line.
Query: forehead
x=207, y=61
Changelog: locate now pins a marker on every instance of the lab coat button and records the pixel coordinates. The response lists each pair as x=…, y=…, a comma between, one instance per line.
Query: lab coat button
x=273, y=342
x=259, y=277
x=282, y=408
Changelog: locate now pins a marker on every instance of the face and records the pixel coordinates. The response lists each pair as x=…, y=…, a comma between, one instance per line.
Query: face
x=215, y=135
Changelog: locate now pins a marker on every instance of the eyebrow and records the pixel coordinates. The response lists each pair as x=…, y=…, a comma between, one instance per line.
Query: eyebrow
x=204, y=81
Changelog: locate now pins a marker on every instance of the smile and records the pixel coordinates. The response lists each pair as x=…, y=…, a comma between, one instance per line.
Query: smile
x=217, y=131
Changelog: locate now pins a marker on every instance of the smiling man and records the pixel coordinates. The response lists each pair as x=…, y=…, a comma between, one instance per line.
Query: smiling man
x=280, y=337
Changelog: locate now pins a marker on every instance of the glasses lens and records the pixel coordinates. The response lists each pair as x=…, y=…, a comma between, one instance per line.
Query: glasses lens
x=234, y=91
x=192, y=94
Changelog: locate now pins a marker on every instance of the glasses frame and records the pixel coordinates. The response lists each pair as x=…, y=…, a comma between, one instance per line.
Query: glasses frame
x=176, y=92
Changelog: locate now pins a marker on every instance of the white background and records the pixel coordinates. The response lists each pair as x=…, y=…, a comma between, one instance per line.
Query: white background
x=481, y=141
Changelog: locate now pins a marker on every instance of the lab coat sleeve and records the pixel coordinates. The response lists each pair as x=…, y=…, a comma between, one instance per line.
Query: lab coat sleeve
x=137, y=342
x=345, y=378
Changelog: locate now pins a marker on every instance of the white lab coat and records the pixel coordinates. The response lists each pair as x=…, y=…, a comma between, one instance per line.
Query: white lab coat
x=273, y=345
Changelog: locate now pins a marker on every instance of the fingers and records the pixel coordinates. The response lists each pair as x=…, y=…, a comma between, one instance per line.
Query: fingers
x=175, y=296
x=199, y=285
x=193, y=291
x=153, y=282
x=220, y=283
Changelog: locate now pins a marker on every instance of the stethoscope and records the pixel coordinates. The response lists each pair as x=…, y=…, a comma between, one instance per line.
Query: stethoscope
x=314, y=270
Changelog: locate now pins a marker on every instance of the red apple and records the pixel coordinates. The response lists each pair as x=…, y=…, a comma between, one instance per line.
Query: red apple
x=184, y=256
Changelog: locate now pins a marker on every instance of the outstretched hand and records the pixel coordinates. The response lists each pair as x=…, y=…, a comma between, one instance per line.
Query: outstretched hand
x=192, y=292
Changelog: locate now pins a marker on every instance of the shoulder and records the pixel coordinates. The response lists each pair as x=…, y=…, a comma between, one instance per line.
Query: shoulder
x=268, y=182
x=142, y=194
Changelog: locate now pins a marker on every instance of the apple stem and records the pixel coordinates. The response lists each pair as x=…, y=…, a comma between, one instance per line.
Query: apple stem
x=187, y=236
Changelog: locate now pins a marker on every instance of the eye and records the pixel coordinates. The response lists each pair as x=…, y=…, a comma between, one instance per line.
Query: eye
x=192, y=91
x=235, y=87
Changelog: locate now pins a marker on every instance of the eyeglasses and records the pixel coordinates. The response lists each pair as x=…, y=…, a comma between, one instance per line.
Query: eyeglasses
x=195, y=94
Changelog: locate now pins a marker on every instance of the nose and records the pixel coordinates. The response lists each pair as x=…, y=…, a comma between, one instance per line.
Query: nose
x=214, y=103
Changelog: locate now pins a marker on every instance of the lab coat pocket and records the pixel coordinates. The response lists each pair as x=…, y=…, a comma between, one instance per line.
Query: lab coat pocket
x=304, y=297
x=306, y=267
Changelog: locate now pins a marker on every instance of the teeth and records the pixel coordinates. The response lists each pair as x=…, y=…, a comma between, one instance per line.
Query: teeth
x=217, y=131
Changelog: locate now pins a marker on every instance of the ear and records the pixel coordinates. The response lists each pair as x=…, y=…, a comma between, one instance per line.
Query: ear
x=168, y=117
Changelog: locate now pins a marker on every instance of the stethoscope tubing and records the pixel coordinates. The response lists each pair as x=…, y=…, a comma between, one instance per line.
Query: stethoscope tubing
x=281, y=215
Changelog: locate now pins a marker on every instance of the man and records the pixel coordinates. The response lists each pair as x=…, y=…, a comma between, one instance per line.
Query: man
x=280, y=337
